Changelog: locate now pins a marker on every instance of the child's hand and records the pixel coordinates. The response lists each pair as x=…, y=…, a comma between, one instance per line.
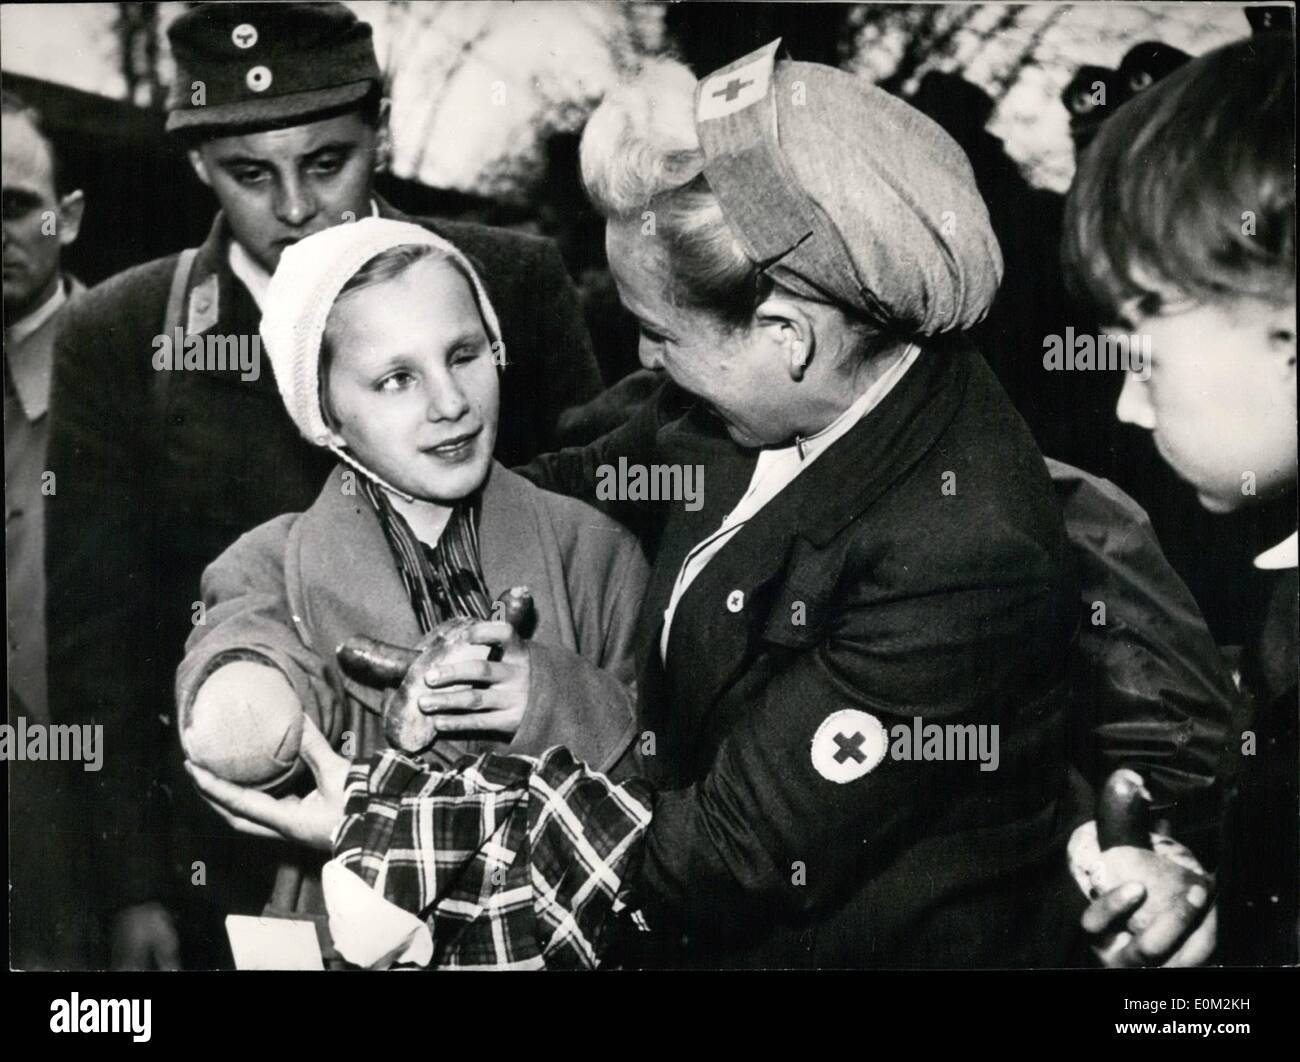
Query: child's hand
x=310, y=820
x=499, y=695
x=1180, y=932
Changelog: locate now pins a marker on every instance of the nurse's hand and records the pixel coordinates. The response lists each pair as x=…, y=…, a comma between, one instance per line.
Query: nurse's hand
x=499, y=695
x=310, y=820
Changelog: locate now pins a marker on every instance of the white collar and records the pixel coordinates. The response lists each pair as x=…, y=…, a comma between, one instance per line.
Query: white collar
x=1279, y=557
x=813, y=445
x=253, y=276
x=25, y=326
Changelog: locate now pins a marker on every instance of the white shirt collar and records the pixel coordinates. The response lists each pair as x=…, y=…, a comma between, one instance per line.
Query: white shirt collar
x=1279, y=557
x=813, y=445
x=25, y=326
x=253, y=276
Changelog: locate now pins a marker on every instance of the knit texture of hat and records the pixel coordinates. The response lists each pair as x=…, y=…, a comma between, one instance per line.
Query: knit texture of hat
x=304, y=289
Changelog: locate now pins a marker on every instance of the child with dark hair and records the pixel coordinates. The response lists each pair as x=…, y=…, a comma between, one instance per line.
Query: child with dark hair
x=1181, y=226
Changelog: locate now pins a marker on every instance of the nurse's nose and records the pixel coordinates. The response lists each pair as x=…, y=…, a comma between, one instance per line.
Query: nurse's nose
x=1135, y=403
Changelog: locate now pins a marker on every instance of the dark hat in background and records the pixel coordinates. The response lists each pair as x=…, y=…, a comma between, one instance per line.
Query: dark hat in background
x=267, y=63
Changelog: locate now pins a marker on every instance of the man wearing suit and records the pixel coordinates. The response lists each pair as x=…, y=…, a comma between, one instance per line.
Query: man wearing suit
x=42, y=215
x=159, y=470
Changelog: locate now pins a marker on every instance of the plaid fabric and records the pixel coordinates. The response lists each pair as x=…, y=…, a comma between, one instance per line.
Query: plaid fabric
x=513, y=862
x=442, y=581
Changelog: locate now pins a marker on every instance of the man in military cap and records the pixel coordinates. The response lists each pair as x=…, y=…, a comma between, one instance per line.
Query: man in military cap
x=163, y=458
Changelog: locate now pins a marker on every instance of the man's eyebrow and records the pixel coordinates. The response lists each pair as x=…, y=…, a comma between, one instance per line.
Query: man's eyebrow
x=241, y=160
x=333, y=145
x=253, y=160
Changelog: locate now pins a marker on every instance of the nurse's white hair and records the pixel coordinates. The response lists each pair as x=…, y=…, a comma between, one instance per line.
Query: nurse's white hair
x=640, y=153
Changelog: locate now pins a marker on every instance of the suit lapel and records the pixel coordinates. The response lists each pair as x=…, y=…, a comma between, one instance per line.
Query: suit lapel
x=217, y=302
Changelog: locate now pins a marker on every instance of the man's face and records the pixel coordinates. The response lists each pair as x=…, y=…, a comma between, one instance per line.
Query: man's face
x=282, y=185
x=1221, y=399
x=413, y=382
x=37, y=224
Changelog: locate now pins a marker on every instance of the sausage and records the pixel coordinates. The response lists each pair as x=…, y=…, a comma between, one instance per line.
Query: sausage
x=1122, y=811
x=374, y=663
x=518, y=610
x=382, y=666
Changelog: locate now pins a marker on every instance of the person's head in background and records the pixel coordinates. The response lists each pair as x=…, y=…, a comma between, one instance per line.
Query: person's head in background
x=281, y=111
x=385, y=349
x=1180, y=225
x=42, y=212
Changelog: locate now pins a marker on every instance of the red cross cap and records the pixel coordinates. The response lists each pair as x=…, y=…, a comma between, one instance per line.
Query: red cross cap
x=735, y=88
x=847, y=745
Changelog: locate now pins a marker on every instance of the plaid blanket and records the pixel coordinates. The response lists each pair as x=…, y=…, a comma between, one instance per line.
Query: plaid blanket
x=513, y=862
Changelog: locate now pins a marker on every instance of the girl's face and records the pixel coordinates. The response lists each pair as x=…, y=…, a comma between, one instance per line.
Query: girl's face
x=413, y=382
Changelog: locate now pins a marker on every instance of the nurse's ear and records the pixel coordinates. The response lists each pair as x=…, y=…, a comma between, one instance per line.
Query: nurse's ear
x=791, y=329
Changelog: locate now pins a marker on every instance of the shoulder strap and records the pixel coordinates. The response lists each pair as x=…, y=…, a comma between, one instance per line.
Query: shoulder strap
x=173, y=317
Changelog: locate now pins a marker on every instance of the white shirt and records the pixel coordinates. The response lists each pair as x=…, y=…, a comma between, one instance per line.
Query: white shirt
x=25, y=326
x=776, y=469
x=1280, y=557
x=253, y=276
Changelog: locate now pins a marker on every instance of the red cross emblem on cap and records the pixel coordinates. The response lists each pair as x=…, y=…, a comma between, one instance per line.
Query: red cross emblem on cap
x=733, y=91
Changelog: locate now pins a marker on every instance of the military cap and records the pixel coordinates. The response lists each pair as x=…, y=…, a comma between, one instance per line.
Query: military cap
x=267, y=62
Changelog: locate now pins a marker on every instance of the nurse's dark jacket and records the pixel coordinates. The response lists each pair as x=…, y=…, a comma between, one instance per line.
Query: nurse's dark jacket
x=917, y=569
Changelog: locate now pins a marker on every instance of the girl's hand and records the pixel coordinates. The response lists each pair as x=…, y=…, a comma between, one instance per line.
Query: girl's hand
x=310, y=820
x=499, y=704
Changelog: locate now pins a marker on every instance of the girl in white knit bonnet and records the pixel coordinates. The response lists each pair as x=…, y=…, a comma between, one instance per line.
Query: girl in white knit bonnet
x=386, y=350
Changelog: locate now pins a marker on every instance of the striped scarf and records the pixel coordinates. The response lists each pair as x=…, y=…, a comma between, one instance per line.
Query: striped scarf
x=442, y=581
